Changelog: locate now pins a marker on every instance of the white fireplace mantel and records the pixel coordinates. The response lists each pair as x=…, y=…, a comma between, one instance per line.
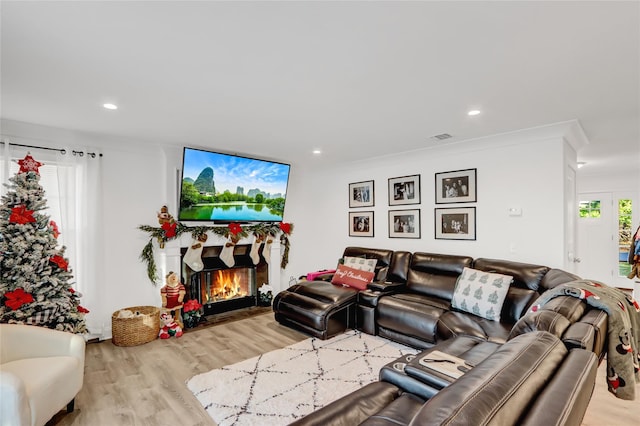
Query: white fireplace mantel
x=169, y=258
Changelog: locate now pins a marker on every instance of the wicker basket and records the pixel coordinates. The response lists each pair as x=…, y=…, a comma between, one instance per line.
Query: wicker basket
x=142, y=328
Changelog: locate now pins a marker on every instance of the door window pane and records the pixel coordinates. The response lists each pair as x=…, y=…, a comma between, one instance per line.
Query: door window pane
x=588, y=209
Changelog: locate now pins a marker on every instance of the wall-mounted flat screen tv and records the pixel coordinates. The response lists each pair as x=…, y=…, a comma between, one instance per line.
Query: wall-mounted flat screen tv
x=227, y=188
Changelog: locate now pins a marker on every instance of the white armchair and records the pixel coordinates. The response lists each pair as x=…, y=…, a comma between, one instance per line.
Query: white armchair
x=41, y=371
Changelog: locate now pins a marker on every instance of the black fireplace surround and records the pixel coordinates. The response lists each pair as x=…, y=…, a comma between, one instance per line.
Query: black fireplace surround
x=195, y=282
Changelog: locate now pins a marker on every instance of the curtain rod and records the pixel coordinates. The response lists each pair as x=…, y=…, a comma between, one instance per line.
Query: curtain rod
x=60, y=150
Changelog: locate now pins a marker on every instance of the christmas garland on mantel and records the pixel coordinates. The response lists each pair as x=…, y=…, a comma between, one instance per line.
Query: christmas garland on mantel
x=234, y=231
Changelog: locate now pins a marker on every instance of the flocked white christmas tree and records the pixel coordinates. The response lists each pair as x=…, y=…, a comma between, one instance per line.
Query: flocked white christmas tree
x=35, y=279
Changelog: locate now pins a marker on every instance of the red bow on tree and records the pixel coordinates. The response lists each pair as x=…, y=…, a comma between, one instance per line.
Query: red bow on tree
x=17, y=298
x=59, y=260
x=21, y=215
x=169, y=229
x=54, y=229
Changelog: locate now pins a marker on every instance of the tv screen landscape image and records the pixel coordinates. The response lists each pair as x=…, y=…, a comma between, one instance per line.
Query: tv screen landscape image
x=228, y=188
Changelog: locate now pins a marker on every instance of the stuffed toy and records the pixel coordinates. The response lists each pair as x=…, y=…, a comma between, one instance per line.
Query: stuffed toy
x=164, y=216
x=172, y=295
x=170, y=327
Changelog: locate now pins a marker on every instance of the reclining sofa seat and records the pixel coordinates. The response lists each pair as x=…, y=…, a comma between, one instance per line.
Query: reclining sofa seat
x=322, y=309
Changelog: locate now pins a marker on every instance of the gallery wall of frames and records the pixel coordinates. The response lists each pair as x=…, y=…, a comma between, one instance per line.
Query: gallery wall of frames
x=453, y=218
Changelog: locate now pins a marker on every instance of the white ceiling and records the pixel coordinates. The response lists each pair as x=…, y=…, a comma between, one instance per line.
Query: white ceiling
x=354, y=79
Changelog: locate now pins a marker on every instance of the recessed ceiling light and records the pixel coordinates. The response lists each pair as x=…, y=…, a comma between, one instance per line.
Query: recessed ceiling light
x=581, y=164
x=110, y=106
x=474, y=112
x=317, y=152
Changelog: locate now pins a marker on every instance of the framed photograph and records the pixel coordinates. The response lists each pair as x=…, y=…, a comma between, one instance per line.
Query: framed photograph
x=458, y=186
x=404, y=190
x=404, y=223
x=361, y=224
x=361, y=194
x=455, y=223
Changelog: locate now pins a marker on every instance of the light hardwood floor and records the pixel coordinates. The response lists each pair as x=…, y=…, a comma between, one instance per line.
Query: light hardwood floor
x=146, y=384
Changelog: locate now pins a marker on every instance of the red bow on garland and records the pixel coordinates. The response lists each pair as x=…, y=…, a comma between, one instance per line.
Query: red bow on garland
x=17, y=298
x=235, y=228
x=169, y=229
x=21, y=215
x=285, y=227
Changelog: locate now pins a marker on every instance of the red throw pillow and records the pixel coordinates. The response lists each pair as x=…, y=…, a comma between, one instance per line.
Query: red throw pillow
x=352, y=277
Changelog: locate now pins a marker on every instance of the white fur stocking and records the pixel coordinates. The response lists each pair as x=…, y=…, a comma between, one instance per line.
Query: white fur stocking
x=254, y=253
x=193, y=256
x=226, y=255
x=266, y=250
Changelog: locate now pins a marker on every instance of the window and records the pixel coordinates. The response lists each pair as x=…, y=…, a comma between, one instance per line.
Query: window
x=589, y=209
x=625, y=219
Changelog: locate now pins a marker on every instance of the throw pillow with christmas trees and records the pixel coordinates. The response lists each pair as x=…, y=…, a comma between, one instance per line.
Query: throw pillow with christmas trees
x=481, y=293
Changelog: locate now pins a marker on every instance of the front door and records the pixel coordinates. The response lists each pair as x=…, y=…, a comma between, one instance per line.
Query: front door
x=596, y=250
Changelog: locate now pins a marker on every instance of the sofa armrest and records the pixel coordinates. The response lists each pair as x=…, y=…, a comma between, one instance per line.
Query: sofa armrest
x=579, y=335
x=386, y=286
x=14, y=402
x=353, y=408
x=565, y=399
x=30, y=341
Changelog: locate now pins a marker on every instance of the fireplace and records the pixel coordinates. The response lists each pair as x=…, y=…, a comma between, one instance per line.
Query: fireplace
x=221, y=288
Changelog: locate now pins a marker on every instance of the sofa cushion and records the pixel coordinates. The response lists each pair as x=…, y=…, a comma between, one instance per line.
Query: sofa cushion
x=351, y=277
x=454, y=323
x=360, y=263
x=434, y=274
x=481, y=293
x=525, y=275
x=408, y=314
x=383, y=257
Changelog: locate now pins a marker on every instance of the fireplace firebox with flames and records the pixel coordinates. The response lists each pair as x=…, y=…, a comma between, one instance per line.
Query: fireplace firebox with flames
x=220, y=288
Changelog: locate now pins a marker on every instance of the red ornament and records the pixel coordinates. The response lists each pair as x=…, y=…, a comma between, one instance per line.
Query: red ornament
x=17, y=298
x=28, y=164
x=60, y=261
x=235, y=228
x=54, y=229
x=82, y=310
x=21, y=215
x=71, y=290
x=169, y=229
x=285, y=227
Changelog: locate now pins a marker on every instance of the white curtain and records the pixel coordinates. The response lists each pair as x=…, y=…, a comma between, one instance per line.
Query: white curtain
x=80, y=181
x=72, y=182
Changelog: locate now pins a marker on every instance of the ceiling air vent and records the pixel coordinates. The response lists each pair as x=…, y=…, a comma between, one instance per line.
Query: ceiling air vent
x=441, y=136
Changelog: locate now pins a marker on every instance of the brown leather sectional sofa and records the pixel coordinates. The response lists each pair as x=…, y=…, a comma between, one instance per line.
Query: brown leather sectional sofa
x=528, y=367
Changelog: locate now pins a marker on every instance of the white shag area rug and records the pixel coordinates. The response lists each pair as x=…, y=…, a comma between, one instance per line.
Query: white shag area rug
x=281, y=386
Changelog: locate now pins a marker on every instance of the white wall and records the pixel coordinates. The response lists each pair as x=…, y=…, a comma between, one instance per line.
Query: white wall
x=522, y=169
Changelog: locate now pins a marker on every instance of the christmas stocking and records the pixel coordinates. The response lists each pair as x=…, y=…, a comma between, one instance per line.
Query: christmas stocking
x=254, y=253
x=266, y=251
x=193, y=256
x=226, y=255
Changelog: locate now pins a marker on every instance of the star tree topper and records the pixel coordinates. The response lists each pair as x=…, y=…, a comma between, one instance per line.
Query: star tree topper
x=29, y=164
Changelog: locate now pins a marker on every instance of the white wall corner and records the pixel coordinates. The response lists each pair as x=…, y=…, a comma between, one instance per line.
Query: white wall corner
x=575, y=135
